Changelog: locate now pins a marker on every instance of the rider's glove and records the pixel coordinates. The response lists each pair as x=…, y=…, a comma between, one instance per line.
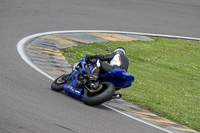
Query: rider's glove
x=89, y=56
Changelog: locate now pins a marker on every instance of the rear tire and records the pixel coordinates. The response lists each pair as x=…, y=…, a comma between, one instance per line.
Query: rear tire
x=58, y=86
x=105, y=95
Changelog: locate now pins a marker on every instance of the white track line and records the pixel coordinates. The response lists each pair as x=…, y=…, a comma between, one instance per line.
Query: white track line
x=21, y=45
x=140, y=120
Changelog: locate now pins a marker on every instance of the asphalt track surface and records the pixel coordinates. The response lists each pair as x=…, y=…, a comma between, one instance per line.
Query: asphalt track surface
x=26, y=102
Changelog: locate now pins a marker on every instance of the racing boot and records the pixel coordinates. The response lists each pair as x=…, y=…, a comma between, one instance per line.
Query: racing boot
x=95, y=72
x=89, y=74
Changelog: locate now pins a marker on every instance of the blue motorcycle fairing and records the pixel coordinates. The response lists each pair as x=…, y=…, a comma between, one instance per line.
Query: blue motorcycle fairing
x=81, y=63
x=70, y=86
x=119, y=78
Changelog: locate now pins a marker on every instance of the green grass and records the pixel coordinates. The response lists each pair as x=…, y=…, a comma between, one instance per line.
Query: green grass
x=167, y=75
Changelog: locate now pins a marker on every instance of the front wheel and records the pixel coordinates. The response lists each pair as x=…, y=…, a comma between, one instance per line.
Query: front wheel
x=58, y=84
x=106, y=94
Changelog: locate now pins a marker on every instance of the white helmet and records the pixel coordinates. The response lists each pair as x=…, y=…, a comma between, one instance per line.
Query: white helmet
x=120, y=51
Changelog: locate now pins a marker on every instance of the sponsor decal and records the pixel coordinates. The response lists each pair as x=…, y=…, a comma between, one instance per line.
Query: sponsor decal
x=70, y=88
x=77, y=91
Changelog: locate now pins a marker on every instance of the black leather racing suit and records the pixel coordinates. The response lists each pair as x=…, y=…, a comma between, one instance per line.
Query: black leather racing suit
x=115, y=60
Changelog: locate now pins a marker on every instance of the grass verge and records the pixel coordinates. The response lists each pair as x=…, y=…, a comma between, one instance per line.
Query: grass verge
x=167, y=75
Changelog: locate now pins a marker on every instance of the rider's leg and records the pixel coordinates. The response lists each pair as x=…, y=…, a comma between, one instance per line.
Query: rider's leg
x=105, y=67
x=100, y=66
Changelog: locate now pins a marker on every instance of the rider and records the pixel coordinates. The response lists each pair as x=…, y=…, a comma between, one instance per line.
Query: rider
x=116, y=59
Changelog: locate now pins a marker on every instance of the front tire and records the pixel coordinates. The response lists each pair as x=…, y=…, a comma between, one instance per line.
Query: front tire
x=105, y=95
x=58, y=85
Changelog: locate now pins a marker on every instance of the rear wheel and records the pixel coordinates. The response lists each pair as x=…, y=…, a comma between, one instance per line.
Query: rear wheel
x=58, y=84
x=108, y=89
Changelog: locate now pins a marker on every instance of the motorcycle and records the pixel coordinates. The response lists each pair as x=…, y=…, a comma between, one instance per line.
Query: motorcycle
x=77, y=84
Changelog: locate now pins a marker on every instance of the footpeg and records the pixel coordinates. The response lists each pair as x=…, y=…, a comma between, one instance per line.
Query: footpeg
x=116, y=96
